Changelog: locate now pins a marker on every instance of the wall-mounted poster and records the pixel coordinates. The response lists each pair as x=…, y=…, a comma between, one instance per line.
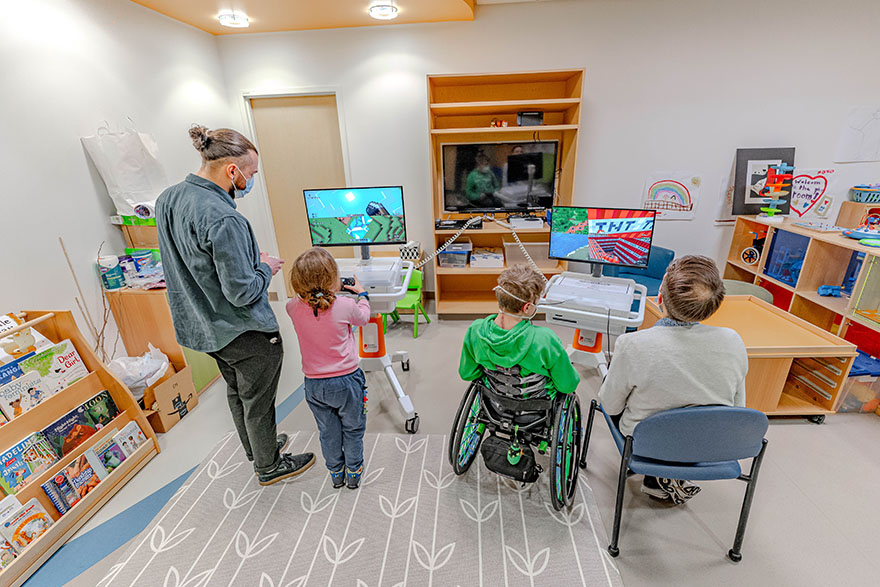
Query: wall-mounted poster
x=673, y=194
x=751, y=175
x=812, y=193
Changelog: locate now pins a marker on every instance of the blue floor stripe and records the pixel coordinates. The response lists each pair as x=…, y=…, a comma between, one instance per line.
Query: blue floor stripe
x=80, y=554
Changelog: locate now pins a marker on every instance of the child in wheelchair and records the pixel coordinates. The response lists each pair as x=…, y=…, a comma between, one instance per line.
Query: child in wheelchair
x=677, y=363
x=509, y=338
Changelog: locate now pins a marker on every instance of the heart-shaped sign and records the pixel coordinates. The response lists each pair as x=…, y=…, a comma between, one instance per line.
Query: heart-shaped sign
x=806, y=191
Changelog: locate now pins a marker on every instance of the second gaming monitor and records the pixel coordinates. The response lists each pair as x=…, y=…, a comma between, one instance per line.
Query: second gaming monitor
x=611, y=236
x=356, y=216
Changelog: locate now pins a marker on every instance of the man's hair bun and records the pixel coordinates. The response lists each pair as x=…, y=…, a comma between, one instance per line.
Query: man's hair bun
x=199, y=136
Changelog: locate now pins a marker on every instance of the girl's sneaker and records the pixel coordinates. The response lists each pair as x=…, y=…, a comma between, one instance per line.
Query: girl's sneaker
x=338, y=478
x=353, y=478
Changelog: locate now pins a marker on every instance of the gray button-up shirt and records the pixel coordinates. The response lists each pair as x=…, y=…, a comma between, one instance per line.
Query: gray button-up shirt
x=217, y=286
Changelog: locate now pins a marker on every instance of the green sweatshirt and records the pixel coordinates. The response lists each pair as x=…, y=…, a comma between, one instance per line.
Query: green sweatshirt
x=536, y=349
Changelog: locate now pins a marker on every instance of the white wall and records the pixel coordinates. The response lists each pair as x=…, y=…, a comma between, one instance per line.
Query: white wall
x=670, y=84
x=68, y=65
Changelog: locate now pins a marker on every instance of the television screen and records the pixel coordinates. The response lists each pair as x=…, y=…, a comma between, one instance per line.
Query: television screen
x=499, y=177
x=356, y=216
x=610, y=236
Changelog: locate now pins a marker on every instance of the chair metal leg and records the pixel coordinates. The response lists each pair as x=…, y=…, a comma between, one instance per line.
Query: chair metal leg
x=594, y=405
x=735, y=553
x=621, y=487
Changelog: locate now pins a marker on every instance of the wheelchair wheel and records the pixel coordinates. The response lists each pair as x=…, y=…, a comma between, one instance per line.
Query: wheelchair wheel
x=467, y=432
x=565, y=451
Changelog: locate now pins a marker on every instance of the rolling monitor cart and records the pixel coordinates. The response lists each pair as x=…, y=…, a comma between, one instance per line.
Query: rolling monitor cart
x=364, y=217
x=593, y=304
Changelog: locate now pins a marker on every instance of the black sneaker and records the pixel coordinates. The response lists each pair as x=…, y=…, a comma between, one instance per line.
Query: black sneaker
x=338, y=478
x=282, y=439
x=651, y=488
x=353, y=478
x=289, y=466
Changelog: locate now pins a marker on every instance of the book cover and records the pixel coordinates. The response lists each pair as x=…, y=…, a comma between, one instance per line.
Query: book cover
x=12, y=370
x=130, y=438
x=8, y=506
x=59, y=366
x=23, y=342
x=39, y=454
x=55, y=497
x=60, y=486
x=7, y=553
x=105, y=456
x=82, y=476
x=21, y=394
x=25, y=526
x=101, y=409
x=13, y=468
x=69, y=431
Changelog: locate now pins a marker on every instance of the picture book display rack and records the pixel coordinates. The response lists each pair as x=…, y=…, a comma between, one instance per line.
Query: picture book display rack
x=58, y=326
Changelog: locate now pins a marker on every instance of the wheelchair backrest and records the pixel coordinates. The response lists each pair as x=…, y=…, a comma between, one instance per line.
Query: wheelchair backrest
x=700, y=434
x=507, y=382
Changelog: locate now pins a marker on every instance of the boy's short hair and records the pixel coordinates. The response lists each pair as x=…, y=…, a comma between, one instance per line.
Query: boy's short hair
x=521, y=281
x=692, y=289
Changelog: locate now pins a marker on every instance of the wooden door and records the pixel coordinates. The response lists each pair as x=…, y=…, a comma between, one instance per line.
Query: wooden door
x=300, y=148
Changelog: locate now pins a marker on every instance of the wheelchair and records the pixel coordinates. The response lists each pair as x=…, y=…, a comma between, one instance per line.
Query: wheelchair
x=518, y=414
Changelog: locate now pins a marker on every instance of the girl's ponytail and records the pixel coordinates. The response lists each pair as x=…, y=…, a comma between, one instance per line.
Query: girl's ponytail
x=320, y=300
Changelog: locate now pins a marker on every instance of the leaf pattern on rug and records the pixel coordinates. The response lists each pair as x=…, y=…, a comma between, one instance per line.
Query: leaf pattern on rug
x=432, y=561
x=216, y=472
x=471, y=512
x=172, y=578
x=438, y=484
x=565, y=517
x=233, y=501
x=409, y=447
x=397, y=510
x=372, y=476
x=108, y=578
x=340, y=556
x=246, y=549
x=309, y=505
x=531, y=568
x=161, y=543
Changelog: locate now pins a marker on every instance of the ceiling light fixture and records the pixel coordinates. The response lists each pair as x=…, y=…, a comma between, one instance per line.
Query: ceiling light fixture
x=383, y=11
x=232, y=19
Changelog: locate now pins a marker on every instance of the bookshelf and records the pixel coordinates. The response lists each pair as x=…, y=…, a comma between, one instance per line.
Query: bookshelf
x=58, y=326
x=460, y=109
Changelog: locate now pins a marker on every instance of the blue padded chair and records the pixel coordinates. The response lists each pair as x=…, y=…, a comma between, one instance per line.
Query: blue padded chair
x=700, y=443
x=652, y=275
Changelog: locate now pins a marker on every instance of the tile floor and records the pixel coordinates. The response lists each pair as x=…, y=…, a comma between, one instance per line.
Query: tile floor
x=814, y=520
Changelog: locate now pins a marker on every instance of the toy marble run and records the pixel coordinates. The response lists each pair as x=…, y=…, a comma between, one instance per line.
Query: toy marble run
x=778, y=178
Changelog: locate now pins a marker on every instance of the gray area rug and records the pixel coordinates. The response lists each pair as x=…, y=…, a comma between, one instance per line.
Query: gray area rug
x=412, y=522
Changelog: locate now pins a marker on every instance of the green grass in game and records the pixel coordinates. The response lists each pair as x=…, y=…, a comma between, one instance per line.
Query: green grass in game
x=382, y=229
x=565, y=218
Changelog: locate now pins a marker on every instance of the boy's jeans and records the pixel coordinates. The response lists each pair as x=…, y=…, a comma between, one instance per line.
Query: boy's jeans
x=338, y=406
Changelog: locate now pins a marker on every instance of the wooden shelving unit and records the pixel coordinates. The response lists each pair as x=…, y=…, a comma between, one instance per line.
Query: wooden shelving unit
x=826, y=261
x=58, y=326
x=460, y=109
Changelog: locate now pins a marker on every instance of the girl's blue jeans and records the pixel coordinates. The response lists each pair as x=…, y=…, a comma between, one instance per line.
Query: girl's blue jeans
x=338, y=406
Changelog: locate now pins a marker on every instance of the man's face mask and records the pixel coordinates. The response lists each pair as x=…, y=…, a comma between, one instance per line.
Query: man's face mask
x=249, y=183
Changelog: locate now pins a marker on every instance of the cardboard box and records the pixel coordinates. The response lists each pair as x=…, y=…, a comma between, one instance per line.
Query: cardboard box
x=170, y=398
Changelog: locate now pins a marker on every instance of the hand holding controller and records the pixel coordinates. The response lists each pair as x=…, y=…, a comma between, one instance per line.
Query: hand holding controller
x=352, y=285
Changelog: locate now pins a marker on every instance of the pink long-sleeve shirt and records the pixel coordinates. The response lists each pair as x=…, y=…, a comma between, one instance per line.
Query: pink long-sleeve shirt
x=326, y=342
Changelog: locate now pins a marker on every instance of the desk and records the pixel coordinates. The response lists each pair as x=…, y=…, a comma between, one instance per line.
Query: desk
x=795, y=368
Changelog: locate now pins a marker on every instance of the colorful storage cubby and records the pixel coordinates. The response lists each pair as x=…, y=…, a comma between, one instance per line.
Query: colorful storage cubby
x=866, y=305
x=785, y=258
x=781, y=296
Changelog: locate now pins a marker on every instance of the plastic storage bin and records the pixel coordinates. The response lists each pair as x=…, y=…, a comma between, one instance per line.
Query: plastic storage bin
x=867, y=294
x=539, y=252
x=786, y=256
x=861, y=392
x=487, y=258
x=456, y=255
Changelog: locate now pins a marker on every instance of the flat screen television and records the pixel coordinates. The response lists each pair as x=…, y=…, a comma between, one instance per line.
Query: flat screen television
x=356, y=216
x=609, y=236
x=499, y=177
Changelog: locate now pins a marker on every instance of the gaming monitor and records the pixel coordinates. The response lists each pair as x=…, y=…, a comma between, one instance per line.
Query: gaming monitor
x=609, y=236
x=499, y=177
x=356, y=216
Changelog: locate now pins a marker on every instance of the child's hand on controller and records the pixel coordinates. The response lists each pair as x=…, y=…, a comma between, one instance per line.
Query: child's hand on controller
x=357, y=287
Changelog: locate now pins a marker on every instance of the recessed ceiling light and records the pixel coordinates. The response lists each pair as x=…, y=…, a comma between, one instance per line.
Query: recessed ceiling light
x=383, y=11
x=236, y=20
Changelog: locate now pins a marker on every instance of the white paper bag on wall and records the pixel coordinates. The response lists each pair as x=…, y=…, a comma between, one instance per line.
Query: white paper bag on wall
x=128, y=162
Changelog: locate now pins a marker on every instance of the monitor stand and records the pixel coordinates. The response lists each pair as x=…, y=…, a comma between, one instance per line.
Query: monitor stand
x=586, y=348
x=597, y=270
x=365, y=255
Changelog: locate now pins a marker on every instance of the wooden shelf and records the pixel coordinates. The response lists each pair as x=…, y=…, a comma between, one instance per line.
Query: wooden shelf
x=488, y=270
x=40, y=550
x=864, y=321
x=790, y=405
x=503, y=106
x=467, y=302
x=504, y=129
x=737, y=263
x=492, y=228
x=775, y=281
x=836, y=305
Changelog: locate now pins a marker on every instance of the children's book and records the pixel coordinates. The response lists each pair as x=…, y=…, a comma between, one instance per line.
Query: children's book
x=7, y=554
x=59, y=366
x=101, y=409
x=26, y=525
x=82, y=476
x=130, y=438
x=60, y=490
x=13, y=468
x=22, y=394
x=23, y=342
x=105, y=456
x=39, y=454
x=9, y=505
x=12, y=370
x=69, y=431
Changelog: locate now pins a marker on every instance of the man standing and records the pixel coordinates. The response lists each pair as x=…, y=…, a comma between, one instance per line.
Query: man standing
x=217, y=287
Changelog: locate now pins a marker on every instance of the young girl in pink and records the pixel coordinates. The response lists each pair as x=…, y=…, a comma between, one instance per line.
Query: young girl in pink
x=335, y=387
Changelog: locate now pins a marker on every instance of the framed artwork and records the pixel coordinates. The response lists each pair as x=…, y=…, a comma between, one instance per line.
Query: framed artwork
x=751, y=175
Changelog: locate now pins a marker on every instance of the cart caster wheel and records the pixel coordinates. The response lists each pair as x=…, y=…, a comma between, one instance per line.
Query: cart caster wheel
x=817, y=419
x=405, y=365
x=734, y=556
x=613, y=551
x=412, y=425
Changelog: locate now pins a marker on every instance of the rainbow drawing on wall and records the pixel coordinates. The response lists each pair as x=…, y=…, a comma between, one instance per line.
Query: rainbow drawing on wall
x=668, y=194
